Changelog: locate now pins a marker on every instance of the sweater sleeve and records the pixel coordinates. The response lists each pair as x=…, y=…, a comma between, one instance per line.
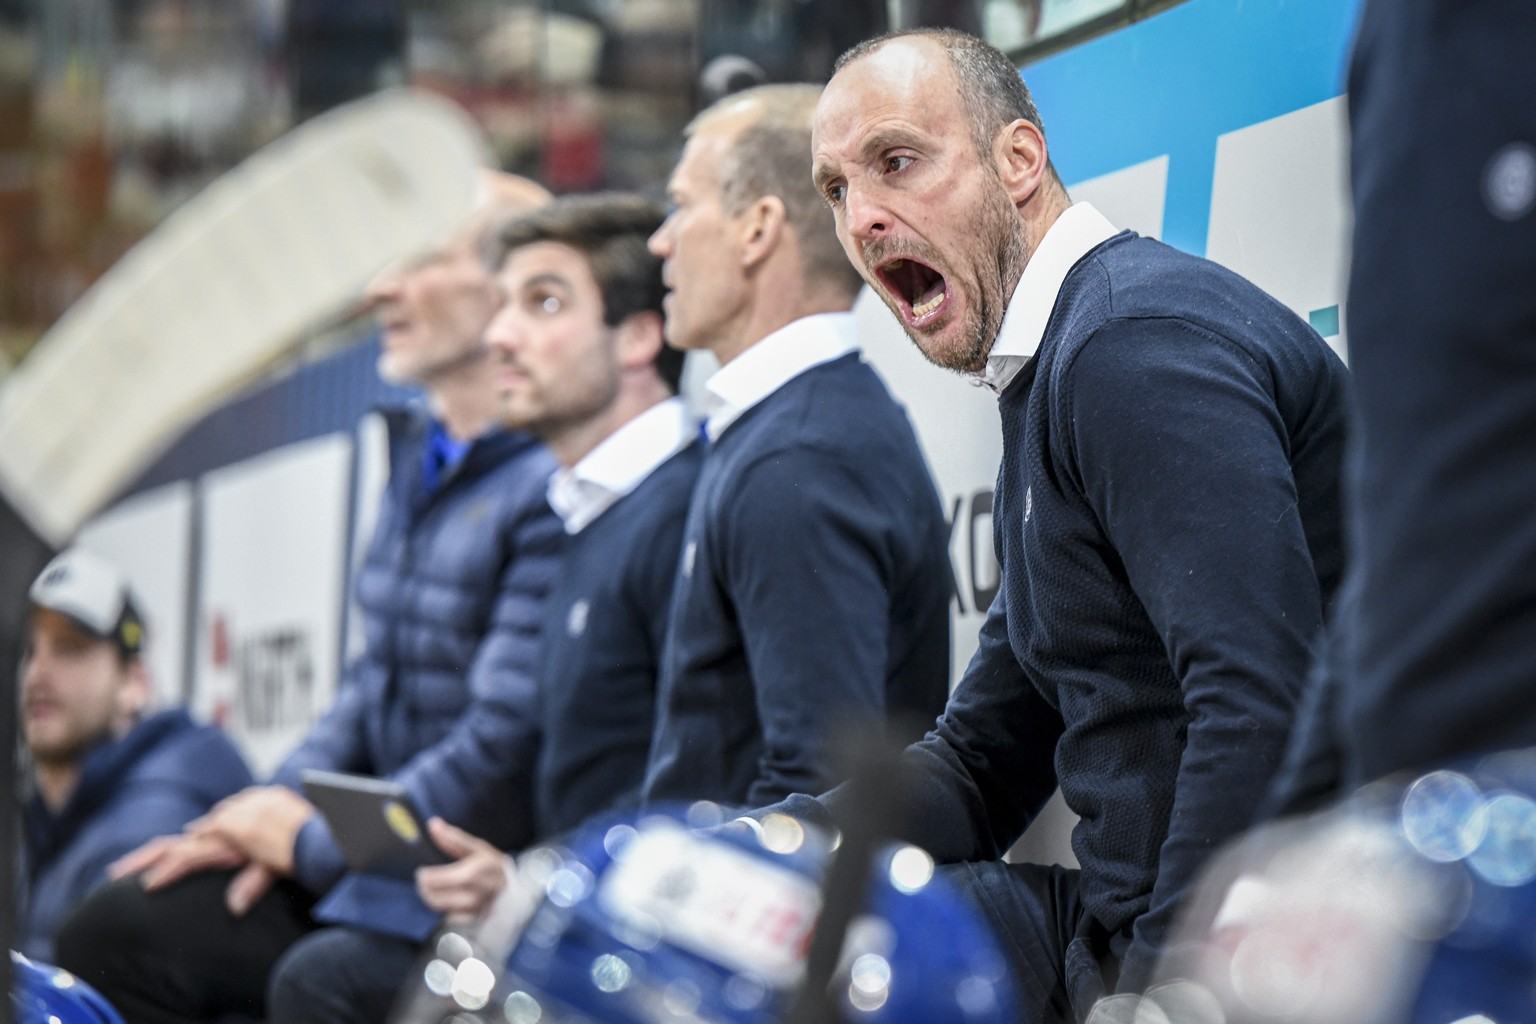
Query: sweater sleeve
x=1182, y=453
x=470, y=776
x=973, y=784
x=1312, y=770
x=811, y=574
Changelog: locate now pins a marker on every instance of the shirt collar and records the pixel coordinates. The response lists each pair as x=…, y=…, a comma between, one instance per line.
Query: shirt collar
x=773, y=362
x=581, y=493
x=1078, y=230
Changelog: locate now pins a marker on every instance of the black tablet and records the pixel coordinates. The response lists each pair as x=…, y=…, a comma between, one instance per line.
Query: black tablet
x=378, y=828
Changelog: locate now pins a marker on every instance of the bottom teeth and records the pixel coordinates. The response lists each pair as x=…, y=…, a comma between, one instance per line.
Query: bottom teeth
x=928, y=307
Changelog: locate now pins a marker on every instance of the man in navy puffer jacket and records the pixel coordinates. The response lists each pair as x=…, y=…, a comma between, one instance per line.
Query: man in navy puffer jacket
x=440, y=700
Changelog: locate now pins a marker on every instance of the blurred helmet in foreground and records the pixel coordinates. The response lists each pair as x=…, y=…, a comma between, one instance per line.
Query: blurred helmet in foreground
x=1414, y=902
x=41, y=994
x=670, y=919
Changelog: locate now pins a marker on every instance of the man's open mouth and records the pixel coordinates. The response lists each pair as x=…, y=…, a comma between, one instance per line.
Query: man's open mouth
x=917, y=288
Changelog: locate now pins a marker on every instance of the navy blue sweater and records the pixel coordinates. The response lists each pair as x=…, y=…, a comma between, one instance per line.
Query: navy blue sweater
x=814, y=590
x=162, y=774
x=605, y=627
x=1436, y=647
x=442, y=698
x=1167, y=516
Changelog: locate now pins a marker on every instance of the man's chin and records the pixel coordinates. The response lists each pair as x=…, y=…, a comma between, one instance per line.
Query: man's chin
x=50, y=753
x=949, y=350
x=392, y=371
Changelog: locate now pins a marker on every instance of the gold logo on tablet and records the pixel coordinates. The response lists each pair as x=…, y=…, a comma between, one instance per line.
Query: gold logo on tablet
x=401, y=821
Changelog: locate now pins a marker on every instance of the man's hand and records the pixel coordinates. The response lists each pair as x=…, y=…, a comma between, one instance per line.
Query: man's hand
x=249, y=885
x=465, y=888
x=262, y=822
x=160, y=862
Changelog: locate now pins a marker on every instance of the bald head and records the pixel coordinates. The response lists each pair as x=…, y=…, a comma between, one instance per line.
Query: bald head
x=990, y=88
x=499, y=197
x=432, y=310
x=929, y=153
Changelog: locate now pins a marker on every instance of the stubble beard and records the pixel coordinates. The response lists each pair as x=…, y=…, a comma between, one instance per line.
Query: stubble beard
x=998, y=231
x=69, y=748
x=1000, y=252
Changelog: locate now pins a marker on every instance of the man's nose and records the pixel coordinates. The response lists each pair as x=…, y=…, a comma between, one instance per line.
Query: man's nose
x=503, y=333
x=659, y=243
x=385, y=285
x=866, y=219
x=34, y=670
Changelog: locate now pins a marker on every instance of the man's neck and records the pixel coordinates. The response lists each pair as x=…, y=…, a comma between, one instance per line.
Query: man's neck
x=56, y=783
x=465, y=401
x=766, y=318
x=573, y=442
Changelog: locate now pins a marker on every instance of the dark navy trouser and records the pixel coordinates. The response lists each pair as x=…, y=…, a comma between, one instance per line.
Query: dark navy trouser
x=1062, y=959
x=177, y=956
x=341, y=976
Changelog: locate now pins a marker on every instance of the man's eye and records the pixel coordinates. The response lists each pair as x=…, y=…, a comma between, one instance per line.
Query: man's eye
x=836, y=194
x=897, y=163
x=548, y=304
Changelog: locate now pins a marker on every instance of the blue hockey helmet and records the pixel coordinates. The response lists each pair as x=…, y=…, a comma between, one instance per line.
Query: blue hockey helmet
x=42, y=994
x=666, y=919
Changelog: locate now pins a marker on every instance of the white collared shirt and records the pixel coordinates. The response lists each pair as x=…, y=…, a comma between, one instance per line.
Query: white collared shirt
x=1078, y=230
x=773, y=362
x=581, y=493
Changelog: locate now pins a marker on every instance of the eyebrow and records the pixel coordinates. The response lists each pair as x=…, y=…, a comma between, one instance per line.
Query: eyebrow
x=821, y=173
x=545, y=279
x=881, y=140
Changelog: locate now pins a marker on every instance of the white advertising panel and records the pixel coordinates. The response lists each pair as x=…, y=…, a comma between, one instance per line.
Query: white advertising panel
x=1132, y=199
x=1280, y=211
x=149, y=537
x=956, y=421
x=273, y=568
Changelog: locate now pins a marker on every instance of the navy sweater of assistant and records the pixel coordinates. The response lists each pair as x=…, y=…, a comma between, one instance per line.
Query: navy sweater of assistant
x=1435, y=647
x=1168, y=520
x=605, y=628
x=813, y=591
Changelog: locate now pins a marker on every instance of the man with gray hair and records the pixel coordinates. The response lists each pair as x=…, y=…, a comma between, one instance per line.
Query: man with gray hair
x=1167, y=511
x=814, y=584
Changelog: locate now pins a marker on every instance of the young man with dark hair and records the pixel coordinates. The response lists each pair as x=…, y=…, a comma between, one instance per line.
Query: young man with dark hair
x=106, y=775
x=1167, y=511
x=581, y=364
x=814, y=585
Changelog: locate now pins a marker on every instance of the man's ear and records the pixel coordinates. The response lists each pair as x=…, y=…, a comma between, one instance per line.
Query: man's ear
x=1022, y=161
x=760, y=228
x=134, y=695
x=639, y=339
